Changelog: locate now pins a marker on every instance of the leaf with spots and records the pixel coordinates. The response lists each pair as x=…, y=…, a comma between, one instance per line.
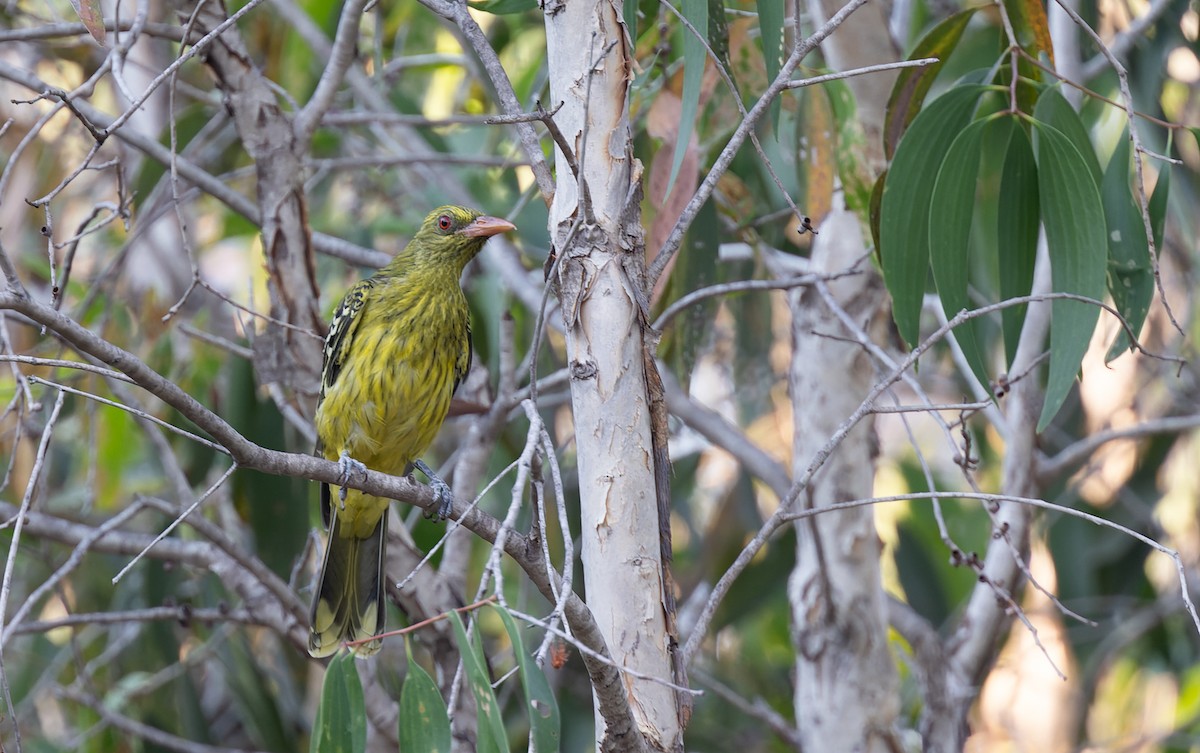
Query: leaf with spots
x=1130, y=270
x=424, y=723
x=492, y=738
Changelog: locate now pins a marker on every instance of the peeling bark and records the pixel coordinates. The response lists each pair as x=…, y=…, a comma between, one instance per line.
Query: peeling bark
x=596, y=225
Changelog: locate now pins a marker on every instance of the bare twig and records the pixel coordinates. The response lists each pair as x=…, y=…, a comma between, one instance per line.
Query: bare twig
x=725, y=159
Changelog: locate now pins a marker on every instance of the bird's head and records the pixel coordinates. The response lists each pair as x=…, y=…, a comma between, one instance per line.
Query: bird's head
x=452, y=235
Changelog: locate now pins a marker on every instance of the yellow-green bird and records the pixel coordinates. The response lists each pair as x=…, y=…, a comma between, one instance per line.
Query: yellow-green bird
x=399, y=344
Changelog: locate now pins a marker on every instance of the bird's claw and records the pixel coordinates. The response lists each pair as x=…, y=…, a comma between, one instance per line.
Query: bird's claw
x=348, y=466
x=442, y=493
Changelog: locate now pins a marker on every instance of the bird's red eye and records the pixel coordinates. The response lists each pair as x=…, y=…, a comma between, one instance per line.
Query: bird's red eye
x=444, y=222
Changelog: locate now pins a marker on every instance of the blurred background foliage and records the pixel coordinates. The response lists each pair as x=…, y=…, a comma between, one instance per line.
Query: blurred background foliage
x=1133, y=679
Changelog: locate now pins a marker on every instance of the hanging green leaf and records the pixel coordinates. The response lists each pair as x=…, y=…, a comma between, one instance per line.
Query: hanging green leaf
x=1158, y=205
x=950, y=210
x=1073, y=216
x=491, y=724
x=341, y=725
x=904, y=208
x=1017, y=233
x=694, y=58
x=1054, y=110
x=424, y=723
x=1130, y=270
x=912, y=84
x=544, y=726
x=770, y=26
x=694, y=269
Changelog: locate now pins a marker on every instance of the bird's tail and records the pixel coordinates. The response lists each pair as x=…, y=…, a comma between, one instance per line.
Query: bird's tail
x=349, y=601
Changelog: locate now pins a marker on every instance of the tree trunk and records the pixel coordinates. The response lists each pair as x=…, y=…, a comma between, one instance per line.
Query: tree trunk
x=846, y=688
x=596, y=225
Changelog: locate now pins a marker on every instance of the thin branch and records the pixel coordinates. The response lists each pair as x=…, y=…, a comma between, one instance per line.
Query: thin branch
x=725, y=435
x=1125, y=40
x=134, y=411
x=741, y=286
x=175, y=523
x=143, y=731
x=1180, y=569
x=1049, y=469
x=827, y=77
x=759, y=709
x=26, y=501
x=182, y=613
x=341, y=55
x=744, y=129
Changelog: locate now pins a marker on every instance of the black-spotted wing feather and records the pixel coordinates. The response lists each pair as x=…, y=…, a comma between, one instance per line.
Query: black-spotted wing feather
x=337, y=346
x=341, y=332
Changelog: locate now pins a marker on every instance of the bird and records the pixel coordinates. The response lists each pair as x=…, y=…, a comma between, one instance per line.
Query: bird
x=398, y=346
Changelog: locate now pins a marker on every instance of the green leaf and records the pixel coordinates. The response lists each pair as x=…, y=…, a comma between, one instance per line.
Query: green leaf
x=629, y=11
x=1073, y=215
x=950, y=210
x=695, y=269
x=545, y=731
x=491, y=724
x=1130, y=270
x=424, y=723
x=904, y=208
x=503, y=7
x=341, y=725
x=694, y=58
x=1031, y=27
x=1017, y=234
x=770, y=27
x=908, y=93
x=1055, y=111
x=1158, y=205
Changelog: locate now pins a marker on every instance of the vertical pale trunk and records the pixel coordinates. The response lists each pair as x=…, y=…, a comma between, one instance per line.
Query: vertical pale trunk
x=846, y=688
x=598, y=277
x=847, y=695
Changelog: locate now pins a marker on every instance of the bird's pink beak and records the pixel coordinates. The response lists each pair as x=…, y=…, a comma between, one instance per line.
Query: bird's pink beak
x=486, y=227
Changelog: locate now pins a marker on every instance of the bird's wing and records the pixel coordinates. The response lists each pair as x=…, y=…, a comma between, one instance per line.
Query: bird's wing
x=338, y=342
x=462, y=365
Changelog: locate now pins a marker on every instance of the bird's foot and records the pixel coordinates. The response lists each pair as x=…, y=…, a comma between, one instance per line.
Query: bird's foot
x=348, y=466
x=441, y=492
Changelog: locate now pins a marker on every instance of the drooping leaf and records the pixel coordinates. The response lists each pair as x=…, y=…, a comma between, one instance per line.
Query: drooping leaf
x=1054, y=110
x=1073, y=216
x=770, y=26
x=341, y=725
x=1130, y=270
x=1158, y=205
x=629, y=11
x=424, y=723
x=544, y=726
x=912, y=84
x=490, y=725
x=92, y=15
x=695, y=269
x=950, y=210
x=1017, y=233
x=904, y=208
x=695, y=56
